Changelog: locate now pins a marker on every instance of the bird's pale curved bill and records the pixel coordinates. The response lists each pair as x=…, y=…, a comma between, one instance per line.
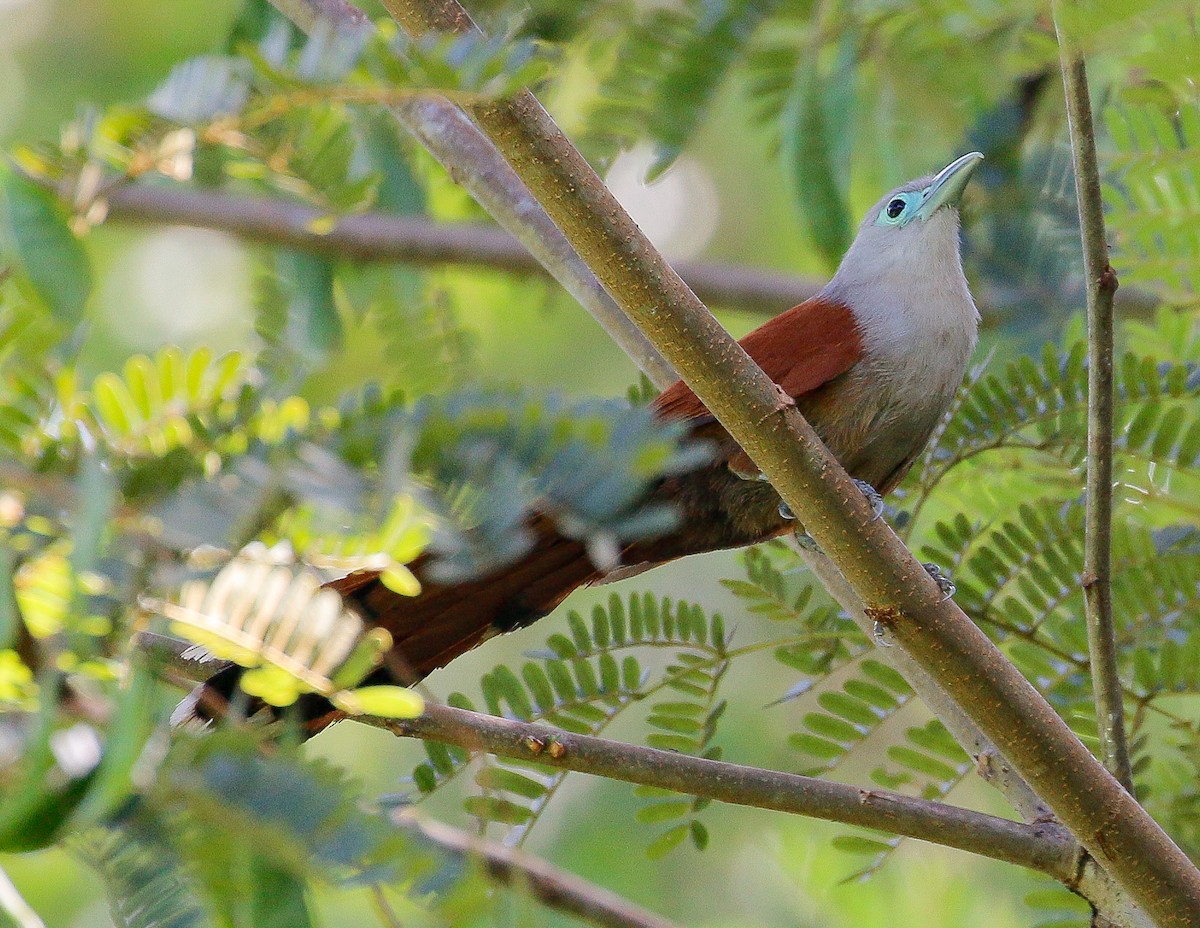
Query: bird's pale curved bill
x=947, y=187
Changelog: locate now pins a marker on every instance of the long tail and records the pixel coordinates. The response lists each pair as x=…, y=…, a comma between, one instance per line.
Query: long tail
x=433, y=628
x=718, y=509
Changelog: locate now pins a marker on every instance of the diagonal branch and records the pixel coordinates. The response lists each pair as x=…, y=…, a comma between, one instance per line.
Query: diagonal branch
x=1047, y=848
x=552, y=886
x=1101, y=286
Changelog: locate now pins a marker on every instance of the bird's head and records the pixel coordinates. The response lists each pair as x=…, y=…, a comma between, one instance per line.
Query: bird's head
x=912, y=229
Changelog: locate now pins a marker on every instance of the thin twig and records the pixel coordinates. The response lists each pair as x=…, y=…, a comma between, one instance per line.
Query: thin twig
x=551, y=885
x=1101, y=286
x=376, y=236
x=1045, y=847
x=416, y=240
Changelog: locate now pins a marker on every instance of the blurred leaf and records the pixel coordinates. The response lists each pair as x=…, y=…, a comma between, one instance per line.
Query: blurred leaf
x=202, y=89
x=145, y=883
x=298, y=317
x=815, y=148
x=50, y=263
x=671, y=63
x=279, y=896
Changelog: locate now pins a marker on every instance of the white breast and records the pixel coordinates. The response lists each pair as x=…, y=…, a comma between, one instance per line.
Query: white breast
x=919, y=326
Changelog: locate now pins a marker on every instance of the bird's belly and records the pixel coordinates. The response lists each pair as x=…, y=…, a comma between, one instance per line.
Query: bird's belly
x=876, y=431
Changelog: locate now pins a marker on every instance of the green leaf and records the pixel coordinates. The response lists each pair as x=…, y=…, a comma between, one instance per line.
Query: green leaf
x=851, y=709
x=500, y=778
x=663, y=811
x=491, y=809
x=922, y=763
x=817, y=747
x=815, y=155
x=666, y=842
x=833, y=728
x=279, y=896
x=388, y=702
x=51, y=264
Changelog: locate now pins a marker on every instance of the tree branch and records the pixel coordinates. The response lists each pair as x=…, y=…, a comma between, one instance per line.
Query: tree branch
x=1101, y=286
x=990, y=764
x=1093, y=883
x=551, y=885
x=387, y=237
x=1047, y=848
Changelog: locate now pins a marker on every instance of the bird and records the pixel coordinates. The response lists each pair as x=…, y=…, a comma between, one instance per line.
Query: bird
x=872, y=361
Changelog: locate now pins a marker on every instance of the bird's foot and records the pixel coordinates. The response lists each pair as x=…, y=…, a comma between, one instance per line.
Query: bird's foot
x=807, y=542
x=872, y=496
x=942, y=579
x=803, y=539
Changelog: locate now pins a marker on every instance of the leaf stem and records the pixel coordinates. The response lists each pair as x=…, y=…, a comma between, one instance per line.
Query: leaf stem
x=1101, y=286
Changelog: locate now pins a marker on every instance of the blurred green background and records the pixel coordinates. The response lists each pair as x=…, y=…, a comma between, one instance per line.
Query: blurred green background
x=727, y=199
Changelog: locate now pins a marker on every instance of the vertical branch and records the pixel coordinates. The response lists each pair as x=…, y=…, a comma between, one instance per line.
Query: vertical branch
x=1101, y=285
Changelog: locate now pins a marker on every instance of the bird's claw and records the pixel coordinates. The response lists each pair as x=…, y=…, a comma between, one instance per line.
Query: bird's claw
x=803, y=539
x=807, y=542
x=872, y=496
x=942, y=579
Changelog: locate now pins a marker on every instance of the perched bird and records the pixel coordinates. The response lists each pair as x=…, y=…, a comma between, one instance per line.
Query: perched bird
x=873, y=362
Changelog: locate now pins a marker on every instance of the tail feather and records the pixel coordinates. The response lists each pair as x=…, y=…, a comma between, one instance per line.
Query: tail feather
x=445, y=620
x=719, y=510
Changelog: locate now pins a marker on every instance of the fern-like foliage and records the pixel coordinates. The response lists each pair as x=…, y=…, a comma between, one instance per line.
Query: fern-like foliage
x=498, y=456
x=580, y=683
x=293, y=635
x=669, y=66
x=1152, y=195
x=1041, y=407
x=147, y=887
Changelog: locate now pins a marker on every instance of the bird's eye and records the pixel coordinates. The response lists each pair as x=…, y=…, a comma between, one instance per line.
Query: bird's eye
x=895, y=208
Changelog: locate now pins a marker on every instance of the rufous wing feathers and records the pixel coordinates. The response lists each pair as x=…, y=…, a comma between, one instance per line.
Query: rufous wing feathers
x=801, y=350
